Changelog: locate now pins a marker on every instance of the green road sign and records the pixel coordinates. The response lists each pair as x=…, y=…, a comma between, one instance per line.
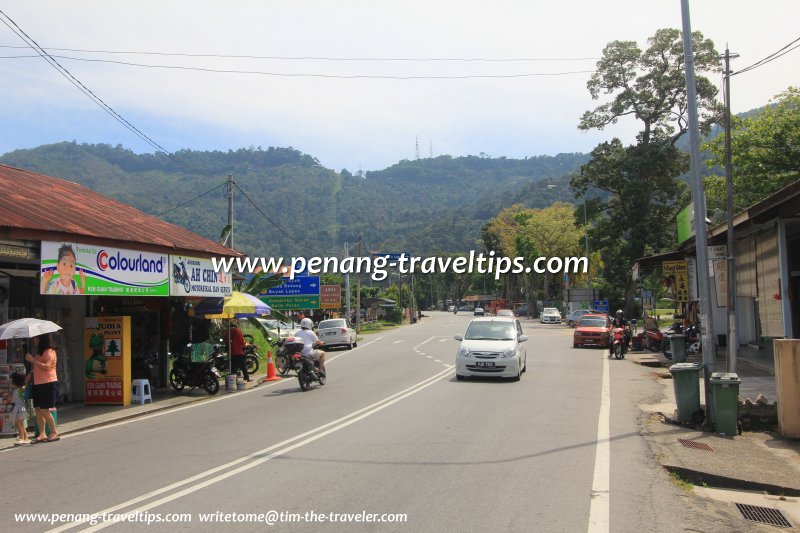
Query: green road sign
x=288, y=303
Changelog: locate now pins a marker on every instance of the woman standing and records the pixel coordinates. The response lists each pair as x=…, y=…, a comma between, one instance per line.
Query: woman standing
x=45, y=387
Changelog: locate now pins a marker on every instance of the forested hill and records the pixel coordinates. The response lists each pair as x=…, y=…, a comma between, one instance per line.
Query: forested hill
x=290, y=205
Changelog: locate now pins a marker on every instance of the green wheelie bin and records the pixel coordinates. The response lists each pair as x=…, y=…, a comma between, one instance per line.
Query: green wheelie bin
x=686, y=383
x=725, y=393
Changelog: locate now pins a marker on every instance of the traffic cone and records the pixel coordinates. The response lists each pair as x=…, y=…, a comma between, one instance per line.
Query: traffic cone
x=271, y=374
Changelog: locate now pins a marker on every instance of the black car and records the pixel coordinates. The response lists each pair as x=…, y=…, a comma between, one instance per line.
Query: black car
x=521, y=310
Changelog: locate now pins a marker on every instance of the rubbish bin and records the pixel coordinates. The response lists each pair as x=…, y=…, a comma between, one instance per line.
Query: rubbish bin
x=725, y=393
x=677, y=345
x=686, y=382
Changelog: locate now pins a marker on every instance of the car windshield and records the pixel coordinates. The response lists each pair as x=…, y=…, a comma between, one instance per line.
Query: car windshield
x=490, y=331
x=550, y=311
x=339, y=323
x=592, y=323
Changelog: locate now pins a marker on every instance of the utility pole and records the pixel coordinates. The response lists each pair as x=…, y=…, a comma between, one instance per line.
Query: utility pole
x=733, y=337
x=230, y=210
x=347, y=284
x=699, y=199
x=358, y=289
x=589, y=268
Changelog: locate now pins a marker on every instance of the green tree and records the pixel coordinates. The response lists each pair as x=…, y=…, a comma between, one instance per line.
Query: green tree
x=650, y=86
x=765, y=153
x=636, y=217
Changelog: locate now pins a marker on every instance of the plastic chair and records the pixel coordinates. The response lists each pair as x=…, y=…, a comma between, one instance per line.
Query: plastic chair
x=141, y=391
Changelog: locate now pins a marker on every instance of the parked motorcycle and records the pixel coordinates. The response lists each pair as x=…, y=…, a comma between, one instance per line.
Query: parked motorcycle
x=655, y=339
x=144, y=367
x=693, y=344
x=187, y=373
x=307, y=369
x=220, y=358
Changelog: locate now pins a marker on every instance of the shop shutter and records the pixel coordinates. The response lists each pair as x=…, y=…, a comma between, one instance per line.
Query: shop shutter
x=746, y=284
x=769, y=308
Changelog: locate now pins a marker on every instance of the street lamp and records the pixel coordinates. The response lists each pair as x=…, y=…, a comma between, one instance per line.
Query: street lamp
x=586, y=235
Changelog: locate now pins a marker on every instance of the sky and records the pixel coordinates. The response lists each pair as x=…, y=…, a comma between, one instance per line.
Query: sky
x=366, y=123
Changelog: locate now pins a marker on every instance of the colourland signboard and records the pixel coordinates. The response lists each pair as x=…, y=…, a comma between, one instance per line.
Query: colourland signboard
x=72, y=268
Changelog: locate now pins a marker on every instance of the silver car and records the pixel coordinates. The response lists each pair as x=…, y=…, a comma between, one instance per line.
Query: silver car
x=492, y=347
x=337, y=332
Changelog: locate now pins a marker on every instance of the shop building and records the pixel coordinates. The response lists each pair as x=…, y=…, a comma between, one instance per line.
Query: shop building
x=123, y=263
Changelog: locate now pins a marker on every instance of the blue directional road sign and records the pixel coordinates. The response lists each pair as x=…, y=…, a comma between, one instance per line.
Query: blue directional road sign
x=303, y=285
x=600, y=305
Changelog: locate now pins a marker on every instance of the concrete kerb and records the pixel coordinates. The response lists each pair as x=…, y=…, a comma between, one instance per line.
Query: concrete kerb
x=772, y=465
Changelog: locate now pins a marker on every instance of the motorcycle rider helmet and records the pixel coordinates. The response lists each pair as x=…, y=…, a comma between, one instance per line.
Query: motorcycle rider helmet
x=619, y=313
x=306, y=323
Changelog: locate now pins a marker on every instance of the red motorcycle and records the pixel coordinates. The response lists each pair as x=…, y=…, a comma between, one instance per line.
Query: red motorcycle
x=620, y=338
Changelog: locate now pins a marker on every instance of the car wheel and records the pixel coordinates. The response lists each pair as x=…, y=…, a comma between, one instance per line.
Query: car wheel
x=525, y=365
x=576, y=345
x=518, y=376
x=349, y=345
x=355, y=344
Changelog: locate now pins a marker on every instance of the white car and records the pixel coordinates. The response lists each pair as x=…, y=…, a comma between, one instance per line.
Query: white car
x=550, y=315
x=492, y=346
x=337, y=332
x=574, y=317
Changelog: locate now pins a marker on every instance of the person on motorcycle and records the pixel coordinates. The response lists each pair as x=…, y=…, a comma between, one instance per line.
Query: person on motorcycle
x=310, y=341
x=619, y=322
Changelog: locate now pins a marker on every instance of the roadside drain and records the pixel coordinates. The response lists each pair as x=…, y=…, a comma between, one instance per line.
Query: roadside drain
x=696, y=445
x=763, y=515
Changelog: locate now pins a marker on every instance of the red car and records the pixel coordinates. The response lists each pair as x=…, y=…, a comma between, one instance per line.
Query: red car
x=592, y=330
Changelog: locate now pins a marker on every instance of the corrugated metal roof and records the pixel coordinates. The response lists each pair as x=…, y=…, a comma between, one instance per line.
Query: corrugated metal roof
x=35, y=204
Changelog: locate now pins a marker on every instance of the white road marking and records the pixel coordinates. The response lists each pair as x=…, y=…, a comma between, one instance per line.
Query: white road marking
x=401, y=340
x=429, y=357
x=256, y=458
x=198, y=403
x=443, y=340
x=599, y=510
x=437, y=360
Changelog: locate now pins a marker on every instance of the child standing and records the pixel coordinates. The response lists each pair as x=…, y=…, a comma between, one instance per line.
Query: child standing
x=19, y=412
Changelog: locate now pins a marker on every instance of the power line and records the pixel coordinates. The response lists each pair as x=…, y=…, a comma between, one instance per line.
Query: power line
x=292, y=239
x=316, y=75
x=771, y=57
x=192, y=200
x=14, y=27
x=322, y=58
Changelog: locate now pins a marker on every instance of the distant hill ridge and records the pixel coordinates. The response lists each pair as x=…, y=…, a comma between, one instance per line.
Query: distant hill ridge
x=426, y=206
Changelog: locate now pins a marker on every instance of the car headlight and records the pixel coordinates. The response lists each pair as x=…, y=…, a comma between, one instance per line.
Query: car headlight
x=576, y=333
x=463, y=351
x=509, y=352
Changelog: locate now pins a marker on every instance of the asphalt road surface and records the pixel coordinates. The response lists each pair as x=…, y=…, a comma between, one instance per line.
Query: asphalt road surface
x=393, y=442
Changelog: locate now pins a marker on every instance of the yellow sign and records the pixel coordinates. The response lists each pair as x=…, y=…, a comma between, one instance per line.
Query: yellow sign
x=107, y=360
x=676, y=274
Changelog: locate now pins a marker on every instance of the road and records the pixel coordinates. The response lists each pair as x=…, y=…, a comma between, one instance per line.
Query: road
x=391, y=433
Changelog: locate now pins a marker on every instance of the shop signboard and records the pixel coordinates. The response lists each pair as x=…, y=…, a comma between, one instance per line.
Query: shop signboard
x=88, y=269
x=685, y=223
x=676, y=279
x=330, y=296
x=107, y=360
x=194, y=276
